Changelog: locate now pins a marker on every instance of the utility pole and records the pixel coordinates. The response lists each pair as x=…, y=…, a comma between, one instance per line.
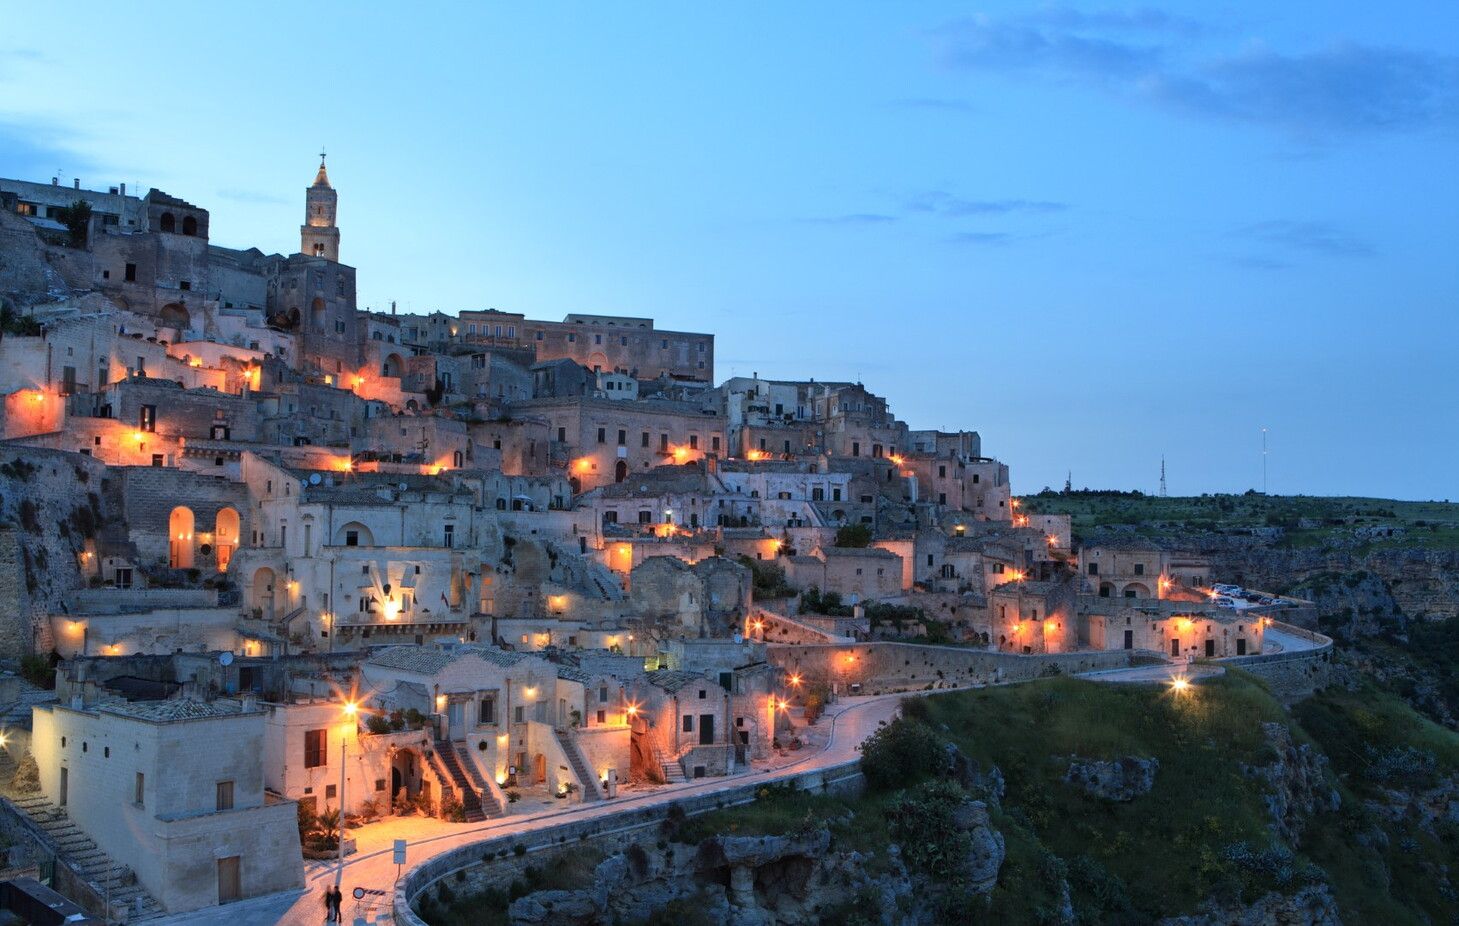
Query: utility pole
x=1263, y=461
x=1162, y=477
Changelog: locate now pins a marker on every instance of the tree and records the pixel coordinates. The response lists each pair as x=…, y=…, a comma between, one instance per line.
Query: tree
x=901, y=753
x=77, y=219
x=853, y=535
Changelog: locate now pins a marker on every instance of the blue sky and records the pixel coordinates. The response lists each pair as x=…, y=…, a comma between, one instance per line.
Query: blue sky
x=1096, y=234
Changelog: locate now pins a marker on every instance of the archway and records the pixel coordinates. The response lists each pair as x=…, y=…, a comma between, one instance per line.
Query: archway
x=1136, y=590
x=354, y=534
x=189, y=225
x=406, y=775
x=225, y=536
x=620, y=471
x=393, y=366
x=180, y=538
x=175, y=315
x=263, y=593
x=168, y=222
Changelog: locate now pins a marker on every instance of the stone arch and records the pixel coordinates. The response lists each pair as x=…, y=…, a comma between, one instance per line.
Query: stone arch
x=189, y=225
x=393, y=365
x=180, y=537
x=316, y=314
x=362, y=535
x=407, y=774
x=168, y=222
x=262, y=592
x=175, y=315
x=225, y=536
x=620, y=471
x=1136, y=590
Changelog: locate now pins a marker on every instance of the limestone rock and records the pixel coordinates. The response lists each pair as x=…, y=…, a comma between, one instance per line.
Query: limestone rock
x=27, y=777
x=1121, y=779
x=965, y=771
x=986, y=854
x=1310, y=906
x=557, y=908
x=1297, y=783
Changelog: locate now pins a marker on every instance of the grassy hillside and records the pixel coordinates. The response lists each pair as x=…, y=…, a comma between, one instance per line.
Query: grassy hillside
x=1308, y=521
x=1204, y=830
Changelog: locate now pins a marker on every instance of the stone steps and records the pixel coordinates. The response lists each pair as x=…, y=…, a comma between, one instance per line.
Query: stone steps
x=111, y=879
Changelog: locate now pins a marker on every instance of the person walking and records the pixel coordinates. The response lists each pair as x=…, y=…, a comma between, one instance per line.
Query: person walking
x=337, y=898
x=329, y=905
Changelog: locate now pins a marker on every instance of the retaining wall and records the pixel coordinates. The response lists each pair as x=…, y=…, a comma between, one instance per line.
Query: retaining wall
x=1292, y=675
x=612, y=832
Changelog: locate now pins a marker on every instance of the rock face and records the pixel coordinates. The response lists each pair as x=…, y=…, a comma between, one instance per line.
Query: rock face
x=1297, y=784
x=1121, y=779
x=1311, y=906
x=1354, y=605
x=965, y=771
x=986, y=854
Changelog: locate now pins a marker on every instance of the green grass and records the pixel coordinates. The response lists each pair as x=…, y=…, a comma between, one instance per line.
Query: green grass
x=1166, y=852
x=563, y=870
x=1427, y=525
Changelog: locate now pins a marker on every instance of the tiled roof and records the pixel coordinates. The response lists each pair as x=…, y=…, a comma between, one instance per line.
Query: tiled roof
x=571, y=674
x=428, y=660
x=166, y=711
x=672, y=680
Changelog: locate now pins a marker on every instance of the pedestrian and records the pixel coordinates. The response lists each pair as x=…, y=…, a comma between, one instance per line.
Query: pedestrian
x=338, y=899
x=329, y=905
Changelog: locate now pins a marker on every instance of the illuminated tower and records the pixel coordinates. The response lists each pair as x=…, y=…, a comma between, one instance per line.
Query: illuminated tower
x=318, y=236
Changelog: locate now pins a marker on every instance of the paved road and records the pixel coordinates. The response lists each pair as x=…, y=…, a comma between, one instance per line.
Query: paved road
x=852, y=721
x=1280, y=642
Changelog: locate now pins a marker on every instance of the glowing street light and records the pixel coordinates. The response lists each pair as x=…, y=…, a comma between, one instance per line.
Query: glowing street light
x=795, y=680
x=1180, y=684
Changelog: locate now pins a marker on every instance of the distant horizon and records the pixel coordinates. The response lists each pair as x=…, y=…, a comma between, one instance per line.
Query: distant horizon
x=1096, y=236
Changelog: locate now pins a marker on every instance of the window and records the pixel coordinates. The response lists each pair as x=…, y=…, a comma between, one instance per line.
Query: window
x=688, y=723
x=1139, y=569
x=185, y=285
x=714, y=443
x=664, y=442
x=664, y=344
x=602, y=435
x=138, y=789
x=352, y=539
x=330, y=791
x=602, y=716
x=855, y=449
x=693, y=441
x=131, y=274
x=124, y=578
x=450, y=537
x=572, y=338
x=645, y=439
x=603, y=694
x=562, y=435
x=157, y=460
x=1094, y=569
x=539, y=335
x=147, y=418
x=517, y=713
x=225, y=795
x=487, y=712
x=597, y=339
x=622, y=435
x=314, y=748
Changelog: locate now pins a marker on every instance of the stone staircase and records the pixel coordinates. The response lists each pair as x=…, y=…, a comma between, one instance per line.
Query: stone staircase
x=586, y=778
x=491, y=805
x=450, y=763
x=17, y=713
x=673, y=771
x=110, y=879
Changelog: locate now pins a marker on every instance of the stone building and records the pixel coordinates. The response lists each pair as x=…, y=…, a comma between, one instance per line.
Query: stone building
x=175, y=790
x=1139, y=569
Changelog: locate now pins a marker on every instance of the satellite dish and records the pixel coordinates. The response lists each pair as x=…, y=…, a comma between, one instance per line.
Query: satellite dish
x=314, y=479
x=225, y=659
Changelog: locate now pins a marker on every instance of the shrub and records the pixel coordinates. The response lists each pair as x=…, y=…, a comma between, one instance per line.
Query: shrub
x=853, y=535
x=902, y=753
x=924, y=822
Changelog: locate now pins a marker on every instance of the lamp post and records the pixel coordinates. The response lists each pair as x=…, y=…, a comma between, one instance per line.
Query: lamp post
x=351, y=709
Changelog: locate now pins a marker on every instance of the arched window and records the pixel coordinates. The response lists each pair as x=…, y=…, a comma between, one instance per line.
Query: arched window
x=180, y=538
x=189, y=225
x=167, y=223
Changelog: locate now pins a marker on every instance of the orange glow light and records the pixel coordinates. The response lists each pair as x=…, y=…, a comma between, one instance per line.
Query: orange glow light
x=1053, y=540
x=1014, y=503
x=795, y=679
x=351, y=708
x=1016, y=575
x=582, y=464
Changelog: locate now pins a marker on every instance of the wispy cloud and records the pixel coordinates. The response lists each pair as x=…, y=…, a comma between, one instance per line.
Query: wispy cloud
x=942, y=203
x=981, y=239
x=1344, y=89
x=1312, y=237
x=36, y=149
x=854, y=218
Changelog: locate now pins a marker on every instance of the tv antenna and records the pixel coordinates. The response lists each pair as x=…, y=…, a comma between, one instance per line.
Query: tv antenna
x=1162, y=478
x=1263, y=461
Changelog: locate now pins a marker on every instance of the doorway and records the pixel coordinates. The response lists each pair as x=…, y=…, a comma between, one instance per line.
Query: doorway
x=539, y=769
x=1129, y=639
x=1210, y=649
x=65, y=786
x=230, y=886
x=455, y=720
x=706, y=729
x=1175, y=647
x=1241, y=646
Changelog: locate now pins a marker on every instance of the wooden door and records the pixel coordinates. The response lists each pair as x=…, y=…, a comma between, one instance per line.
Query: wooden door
x=230, y=886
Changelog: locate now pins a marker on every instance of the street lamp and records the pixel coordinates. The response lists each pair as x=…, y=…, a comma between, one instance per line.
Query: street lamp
x=351, y=710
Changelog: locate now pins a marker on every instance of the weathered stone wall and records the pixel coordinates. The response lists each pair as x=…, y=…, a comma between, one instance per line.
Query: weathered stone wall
x=1293, y=675
x=887, y=667
x=494, y=862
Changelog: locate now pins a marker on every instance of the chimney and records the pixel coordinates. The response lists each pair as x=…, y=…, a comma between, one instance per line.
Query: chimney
x=124, y=189
x=78, y=183
x=55, y=181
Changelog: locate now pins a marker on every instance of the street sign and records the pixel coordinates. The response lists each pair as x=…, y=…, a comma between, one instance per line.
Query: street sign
x=400, y=851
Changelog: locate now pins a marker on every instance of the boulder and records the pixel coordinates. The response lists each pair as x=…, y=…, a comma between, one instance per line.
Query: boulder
x=1121, y=779
x=1311, y=906
x=986, y=850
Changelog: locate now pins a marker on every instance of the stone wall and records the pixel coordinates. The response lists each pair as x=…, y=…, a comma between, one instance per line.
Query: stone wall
x=1293, y=675
x=879, y=668
x=494, y=861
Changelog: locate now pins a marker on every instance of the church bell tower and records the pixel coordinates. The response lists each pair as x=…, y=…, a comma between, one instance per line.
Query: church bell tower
x=319, y=236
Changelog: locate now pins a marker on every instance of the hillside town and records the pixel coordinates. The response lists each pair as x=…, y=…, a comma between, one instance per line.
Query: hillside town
x=286, y=578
